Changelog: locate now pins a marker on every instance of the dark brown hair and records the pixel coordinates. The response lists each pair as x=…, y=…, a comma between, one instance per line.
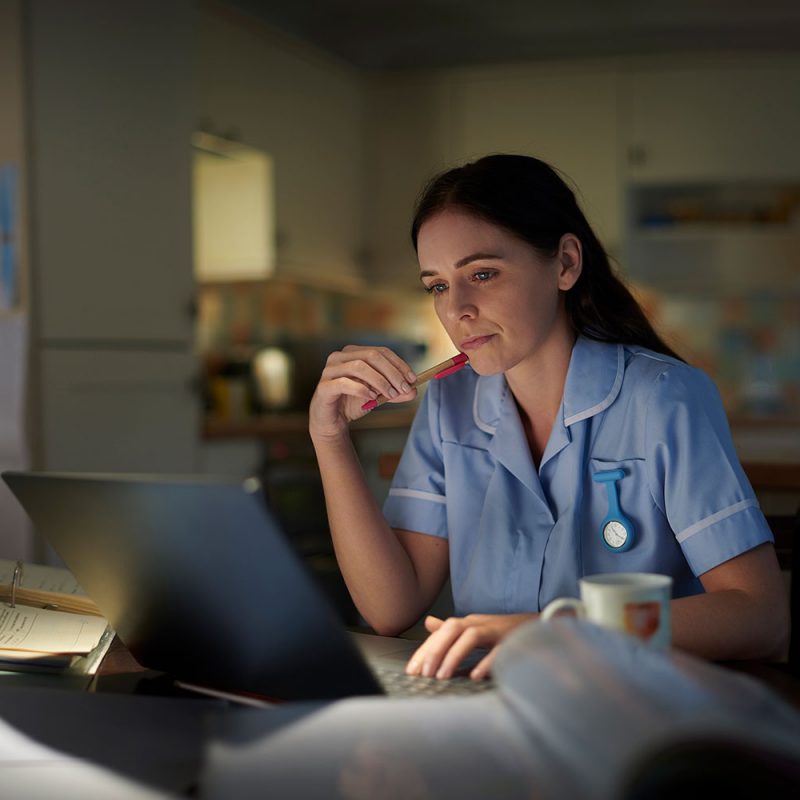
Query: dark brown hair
x=528, y=198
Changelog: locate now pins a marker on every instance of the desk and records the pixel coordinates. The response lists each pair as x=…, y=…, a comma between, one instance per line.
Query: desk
x=776, y=676
x=578, y=712
x=152, y=745
x=120, y=672
x=77, y=745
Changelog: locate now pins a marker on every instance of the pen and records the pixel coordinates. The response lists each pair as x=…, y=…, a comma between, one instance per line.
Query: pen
x=447, y=367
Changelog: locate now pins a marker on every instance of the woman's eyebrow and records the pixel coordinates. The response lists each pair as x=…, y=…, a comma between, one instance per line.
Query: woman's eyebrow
x=462, y=262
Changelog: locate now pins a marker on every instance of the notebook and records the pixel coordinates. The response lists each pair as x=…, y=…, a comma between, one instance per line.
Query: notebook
x=198, y=580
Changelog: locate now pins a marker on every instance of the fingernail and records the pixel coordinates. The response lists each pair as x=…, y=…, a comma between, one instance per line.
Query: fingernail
x=392, y=391
x=442, y=674
x=411, y=376
x=411, y=667
x=404, y=387
x=427, y=669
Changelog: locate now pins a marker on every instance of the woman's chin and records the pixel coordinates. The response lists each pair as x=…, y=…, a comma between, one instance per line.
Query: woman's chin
x=485, y=367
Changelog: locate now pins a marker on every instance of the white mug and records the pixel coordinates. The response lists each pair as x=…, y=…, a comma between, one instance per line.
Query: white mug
x=637, y=603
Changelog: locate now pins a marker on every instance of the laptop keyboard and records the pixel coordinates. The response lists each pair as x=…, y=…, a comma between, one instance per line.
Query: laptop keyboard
x=398, y=684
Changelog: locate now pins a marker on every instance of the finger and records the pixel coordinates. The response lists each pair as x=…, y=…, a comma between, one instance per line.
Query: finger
x=429, y=655
x=484, y=667
x=414, y=665
x=432, y=623
x=376, y=379
x=362, y=372
x=388, y=353
x=460, y=649
x=381, y=371
x=386, y=361
x=330, y=390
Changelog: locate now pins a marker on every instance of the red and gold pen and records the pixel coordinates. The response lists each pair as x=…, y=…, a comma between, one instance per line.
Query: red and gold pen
x=442, y=370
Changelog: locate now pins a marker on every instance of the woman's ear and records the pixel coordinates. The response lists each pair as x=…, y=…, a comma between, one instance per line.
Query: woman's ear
x=570, y=259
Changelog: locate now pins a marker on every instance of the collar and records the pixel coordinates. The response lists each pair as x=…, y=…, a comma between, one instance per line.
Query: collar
x=594, y=379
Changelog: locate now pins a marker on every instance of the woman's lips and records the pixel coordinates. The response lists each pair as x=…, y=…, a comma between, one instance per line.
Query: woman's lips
x=474, y=342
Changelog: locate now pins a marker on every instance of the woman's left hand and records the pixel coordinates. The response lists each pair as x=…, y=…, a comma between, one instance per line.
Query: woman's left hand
x=453, y=639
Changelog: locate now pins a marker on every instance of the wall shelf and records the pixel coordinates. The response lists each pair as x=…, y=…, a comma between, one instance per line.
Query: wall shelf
x=692, y=231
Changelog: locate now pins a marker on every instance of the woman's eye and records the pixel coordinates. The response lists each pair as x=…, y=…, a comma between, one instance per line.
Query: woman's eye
x=483, y=275
x=436, y=288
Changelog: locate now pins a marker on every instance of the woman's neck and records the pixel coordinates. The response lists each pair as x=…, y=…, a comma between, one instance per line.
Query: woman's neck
x=538, y=388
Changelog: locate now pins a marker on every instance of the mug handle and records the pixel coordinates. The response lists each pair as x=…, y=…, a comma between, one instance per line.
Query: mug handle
x=560, y=603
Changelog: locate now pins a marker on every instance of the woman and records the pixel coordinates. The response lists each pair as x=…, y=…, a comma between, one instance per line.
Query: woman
x=506, y=476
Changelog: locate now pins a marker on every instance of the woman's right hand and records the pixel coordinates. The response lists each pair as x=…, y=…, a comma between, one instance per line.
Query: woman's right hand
x=353, y=376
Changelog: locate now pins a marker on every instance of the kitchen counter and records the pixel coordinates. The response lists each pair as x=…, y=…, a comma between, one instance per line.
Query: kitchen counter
x=777, y=475
x=769, y=449
x=267, y=425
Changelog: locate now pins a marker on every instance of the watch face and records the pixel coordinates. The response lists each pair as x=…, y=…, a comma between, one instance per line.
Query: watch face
x=615, y=534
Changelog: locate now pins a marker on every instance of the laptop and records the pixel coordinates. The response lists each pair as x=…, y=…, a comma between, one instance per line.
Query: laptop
x=198, y=580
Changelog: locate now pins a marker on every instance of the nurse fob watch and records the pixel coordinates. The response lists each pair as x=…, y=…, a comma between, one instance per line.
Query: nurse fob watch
x=616, y=530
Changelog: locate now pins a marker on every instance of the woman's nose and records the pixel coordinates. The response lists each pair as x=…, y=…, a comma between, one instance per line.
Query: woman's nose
x=460, y=304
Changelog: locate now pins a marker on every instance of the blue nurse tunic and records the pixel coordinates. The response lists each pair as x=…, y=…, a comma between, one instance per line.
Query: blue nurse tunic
x=519, y=537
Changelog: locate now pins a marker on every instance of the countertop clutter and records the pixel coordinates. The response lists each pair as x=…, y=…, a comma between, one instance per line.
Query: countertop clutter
x=264, y=344
x=769, y=449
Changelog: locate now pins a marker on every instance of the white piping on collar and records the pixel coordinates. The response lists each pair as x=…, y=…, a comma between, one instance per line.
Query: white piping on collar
x=484, y=426
x=609, y=398
x=589, y=412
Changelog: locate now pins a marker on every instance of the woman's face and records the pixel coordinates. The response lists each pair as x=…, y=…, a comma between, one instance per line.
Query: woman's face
x=500, y=301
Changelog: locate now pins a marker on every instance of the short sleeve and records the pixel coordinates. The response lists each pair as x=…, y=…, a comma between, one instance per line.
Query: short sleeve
x=694, y=474
x=417, y=500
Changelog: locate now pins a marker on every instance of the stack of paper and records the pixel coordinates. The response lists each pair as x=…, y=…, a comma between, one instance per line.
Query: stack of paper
x=47, y=627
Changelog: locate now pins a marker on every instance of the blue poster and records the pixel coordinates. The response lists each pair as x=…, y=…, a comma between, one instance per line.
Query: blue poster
x=8, y=250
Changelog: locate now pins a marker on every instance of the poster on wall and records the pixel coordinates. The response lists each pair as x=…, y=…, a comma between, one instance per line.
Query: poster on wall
x=16, y=539
x=8, y=250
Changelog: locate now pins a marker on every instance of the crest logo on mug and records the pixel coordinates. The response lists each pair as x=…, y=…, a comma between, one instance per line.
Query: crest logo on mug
x=637, y=603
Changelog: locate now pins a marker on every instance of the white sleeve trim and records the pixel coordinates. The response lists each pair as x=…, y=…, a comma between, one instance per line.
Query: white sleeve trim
x=418, y=495
x=720, y=515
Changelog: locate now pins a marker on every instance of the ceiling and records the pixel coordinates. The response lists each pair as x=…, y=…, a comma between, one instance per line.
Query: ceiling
x=408, y=34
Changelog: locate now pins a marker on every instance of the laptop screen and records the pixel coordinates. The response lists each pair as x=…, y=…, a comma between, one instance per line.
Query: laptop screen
x=198, y=580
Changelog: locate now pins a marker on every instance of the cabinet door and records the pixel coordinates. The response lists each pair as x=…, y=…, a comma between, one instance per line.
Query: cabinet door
x=406, y=144
x=568, y=117
x=119, y=411
x=714, y=122
x=238, y=457
x=305, y=111
x=318, y=182
x=110, y=99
